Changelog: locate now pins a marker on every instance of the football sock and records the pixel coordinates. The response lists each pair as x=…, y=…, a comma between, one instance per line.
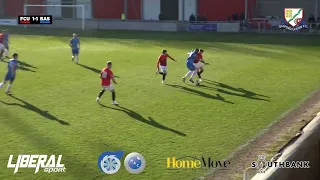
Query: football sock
x=187, y=74
x=101, y=93
x=164, y=76
x=77, y=58
x=193, y=74
x=1, y=85
x=199, y=75
x=161, y=73
x=113, y=96
x=9, y=87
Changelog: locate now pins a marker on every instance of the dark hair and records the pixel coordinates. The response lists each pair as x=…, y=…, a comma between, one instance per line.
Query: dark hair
x=197, y=50
x=164, y=51
x=201, y=50
x=109, y=63
x=15, y=54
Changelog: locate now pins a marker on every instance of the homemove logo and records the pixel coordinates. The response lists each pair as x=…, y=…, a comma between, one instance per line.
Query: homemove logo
x=189, y=162
x=50, y=164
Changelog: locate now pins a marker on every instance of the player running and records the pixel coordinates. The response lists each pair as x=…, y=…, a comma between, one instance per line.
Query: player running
x=6, y=38
x=11, y=74
x=106, y=77
x=2, y=48
x=75, y=47
x=193, y=56
x=162, y=64
x=199, y=63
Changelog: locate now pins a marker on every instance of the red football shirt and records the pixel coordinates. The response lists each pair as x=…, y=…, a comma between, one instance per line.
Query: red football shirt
x=162, y=60
x=106, y=75
x=198, y=59
x=1, y=38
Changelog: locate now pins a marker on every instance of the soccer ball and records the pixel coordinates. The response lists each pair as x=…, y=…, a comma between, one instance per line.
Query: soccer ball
x=197, y=82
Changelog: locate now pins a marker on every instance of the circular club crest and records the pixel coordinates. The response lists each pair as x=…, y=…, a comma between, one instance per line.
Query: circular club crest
x=110, y=164
x=134, y=163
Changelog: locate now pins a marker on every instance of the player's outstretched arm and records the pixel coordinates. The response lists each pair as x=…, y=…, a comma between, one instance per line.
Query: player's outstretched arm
x=201, y=60
x=158, y=65
x=113, y=80
x=171, y=58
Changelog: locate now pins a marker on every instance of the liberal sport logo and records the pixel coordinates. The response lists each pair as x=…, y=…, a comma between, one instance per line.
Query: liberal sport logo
x=293, y=19
x=48, y=163
x=109, y=162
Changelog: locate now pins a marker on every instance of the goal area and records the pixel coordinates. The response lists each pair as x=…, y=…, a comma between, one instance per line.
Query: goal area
x=57, y=11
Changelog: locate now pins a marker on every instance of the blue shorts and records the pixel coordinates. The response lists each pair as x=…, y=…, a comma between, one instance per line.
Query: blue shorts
x=75, y=51
x=9, y=77
x=190, y=66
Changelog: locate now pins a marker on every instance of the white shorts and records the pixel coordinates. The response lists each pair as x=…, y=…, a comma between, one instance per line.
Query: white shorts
x=1, y=46
x=163, y=68
x=5, y=53
x=198, y=65
x=109, y=88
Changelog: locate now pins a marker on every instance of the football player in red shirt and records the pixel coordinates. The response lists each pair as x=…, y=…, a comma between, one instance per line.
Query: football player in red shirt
x=1, y=46
x=200, y=64
x=106, y=77
x=162, y=64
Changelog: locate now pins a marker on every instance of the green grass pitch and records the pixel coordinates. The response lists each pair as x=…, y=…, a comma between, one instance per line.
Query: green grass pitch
x=250, y=82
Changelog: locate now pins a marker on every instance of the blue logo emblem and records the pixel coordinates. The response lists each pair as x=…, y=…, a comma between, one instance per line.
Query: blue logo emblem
x=109, y=162
x=134, y=163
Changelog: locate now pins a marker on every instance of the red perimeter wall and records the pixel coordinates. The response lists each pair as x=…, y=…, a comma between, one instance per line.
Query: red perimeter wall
x=15, y=7
x=112, y=9
x=101, y=9
x=216, y=10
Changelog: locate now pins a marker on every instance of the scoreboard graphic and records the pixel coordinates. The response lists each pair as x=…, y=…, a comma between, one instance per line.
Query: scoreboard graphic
x=35, y=19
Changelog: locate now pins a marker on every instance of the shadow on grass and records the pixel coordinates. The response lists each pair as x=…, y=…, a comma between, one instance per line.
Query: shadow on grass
x=29, y=136
x=200, y=93
x=244, y=38
x=35, y=109
x=237, y=91
x=148, y=121
x=24, y=66
x=93, y=69
x=90, y=68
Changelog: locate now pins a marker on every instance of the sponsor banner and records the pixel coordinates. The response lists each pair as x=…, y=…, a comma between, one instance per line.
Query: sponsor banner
x=229, y=27
x=206, y=27
x=8, y=22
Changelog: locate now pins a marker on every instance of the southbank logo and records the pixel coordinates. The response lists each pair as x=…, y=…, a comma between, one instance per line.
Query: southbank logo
x=189, y=162
x=262, y=164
